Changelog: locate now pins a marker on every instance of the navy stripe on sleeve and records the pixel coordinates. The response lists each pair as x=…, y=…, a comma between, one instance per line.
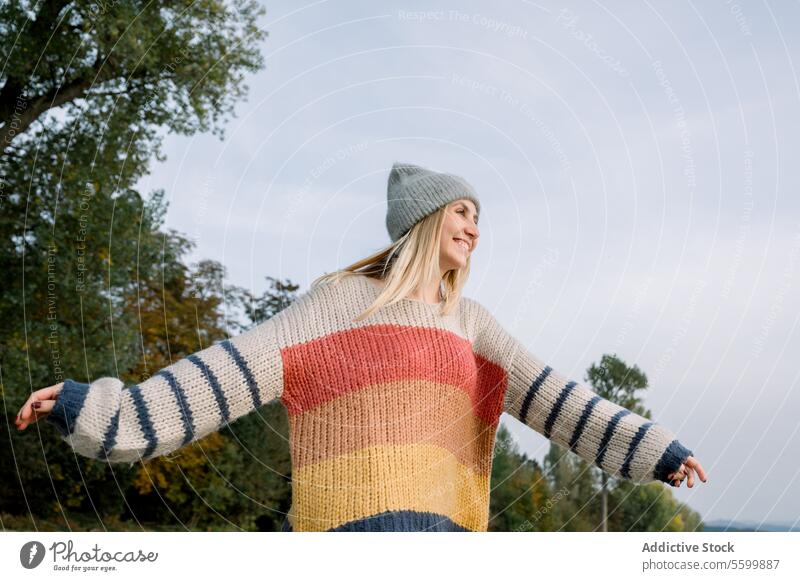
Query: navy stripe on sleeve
x=587, y=411
x=562, y=397
x=110, y=437
x=212, y=380
x=625, y=471
x=183, y=405
x=248, y=375
x=532, y=391
x=612, y=425
x=672, y=458
x=68, y=406
x=145, y=421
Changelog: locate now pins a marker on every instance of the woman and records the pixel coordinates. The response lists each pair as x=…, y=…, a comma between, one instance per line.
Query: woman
x=394, y=384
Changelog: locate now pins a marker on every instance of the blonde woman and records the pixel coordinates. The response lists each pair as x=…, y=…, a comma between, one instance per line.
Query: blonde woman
x=394, y=384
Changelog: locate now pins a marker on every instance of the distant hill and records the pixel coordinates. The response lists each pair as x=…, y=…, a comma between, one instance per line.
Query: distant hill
x=750, y=526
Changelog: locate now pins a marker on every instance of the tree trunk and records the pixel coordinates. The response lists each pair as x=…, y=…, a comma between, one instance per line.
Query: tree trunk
x=604, y=502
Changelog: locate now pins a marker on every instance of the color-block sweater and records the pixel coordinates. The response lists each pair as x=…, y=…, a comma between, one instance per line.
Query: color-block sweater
x=392, y=418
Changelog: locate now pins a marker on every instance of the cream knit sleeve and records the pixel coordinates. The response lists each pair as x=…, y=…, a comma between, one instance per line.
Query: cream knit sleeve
x=617, y=440
x=181, y=403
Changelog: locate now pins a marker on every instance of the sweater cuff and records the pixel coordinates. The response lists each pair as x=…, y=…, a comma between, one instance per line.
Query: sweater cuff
x=672, y=458
x=67, y=407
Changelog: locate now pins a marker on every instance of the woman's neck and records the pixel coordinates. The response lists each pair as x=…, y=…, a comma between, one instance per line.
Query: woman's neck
x=430, y=295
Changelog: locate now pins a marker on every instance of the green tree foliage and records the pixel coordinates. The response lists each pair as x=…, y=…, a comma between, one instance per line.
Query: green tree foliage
x=649, y=507
x=120, y=70
x=238, y=478
x=578, y=510
x=87, y=91
x=67, y=314
x=616, y=382
x=628, y=506
x=520, y=494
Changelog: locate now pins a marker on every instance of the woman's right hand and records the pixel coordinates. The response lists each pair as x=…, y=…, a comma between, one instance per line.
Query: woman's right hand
x=38, y=405
x=685, y=471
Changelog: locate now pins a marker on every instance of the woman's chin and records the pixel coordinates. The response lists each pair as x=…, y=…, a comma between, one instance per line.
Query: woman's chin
x=456, y=262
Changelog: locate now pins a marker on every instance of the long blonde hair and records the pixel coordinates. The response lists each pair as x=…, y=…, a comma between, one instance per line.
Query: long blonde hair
x=410, y=262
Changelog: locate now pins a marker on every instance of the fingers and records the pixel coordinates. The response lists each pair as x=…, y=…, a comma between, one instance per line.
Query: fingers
x=23, y=418
x=687, y=471
x=44, y=408
x=677, y=477
x=37, y=406
x=692, y=461
x=47, y=393
x=30, y=415
x=25, y=411
x=39, y=409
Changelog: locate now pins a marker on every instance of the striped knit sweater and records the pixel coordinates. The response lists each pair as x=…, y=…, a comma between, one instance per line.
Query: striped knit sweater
x=392, y=419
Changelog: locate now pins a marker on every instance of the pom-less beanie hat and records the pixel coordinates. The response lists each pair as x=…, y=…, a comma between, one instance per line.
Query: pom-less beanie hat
x=414, y=192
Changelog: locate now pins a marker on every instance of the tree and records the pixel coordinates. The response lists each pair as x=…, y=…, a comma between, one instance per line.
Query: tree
x=520, y=495
x=264, y=469
x=239, y=477
x=179, y=311
x=137, y=63
x=86, y=92
x=649, y=507
x=618, y=383
x=567, y=472
x=69, y=319
x=633, y=506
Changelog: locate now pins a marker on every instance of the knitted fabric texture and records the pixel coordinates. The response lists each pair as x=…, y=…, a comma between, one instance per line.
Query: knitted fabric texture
x=414, y=192
x=392, y=419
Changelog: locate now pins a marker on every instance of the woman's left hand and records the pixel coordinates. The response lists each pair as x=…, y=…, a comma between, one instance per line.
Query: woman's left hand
x=687, y=470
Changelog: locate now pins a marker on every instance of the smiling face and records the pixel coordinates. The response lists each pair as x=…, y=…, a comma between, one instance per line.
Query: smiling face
x=459, y=234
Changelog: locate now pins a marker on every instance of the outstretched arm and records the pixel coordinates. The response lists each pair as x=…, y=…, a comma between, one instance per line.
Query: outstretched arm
x=619, y=441
x=181, y=403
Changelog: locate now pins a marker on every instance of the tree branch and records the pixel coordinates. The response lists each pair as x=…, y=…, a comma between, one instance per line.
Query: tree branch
x=19, y=122
x=45, y=24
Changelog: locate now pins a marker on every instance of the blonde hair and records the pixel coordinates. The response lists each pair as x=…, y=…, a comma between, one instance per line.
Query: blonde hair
x=410, y=262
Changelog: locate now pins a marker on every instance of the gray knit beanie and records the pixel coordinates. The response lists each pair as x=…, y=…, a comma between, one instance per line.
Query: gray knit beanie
x=414, y=192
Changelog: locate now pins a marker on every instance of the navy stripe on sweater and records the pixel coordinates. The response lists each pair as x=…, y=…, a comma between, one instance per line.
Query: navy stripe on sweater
x=248, y=375
x=612, y=425
x=625, y=471
x=212, y=380
x=562, y=397
x=68, y=406
x=400, y=520
x=110, y=437
x=183, y=405
x=587, y=411
x=672, y=458
x=145, y=422
x=532, y=391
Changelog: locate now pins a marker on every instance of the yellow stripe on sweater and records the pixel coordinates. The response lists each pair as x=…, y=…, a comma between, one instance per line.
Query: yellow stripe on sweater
x=421, y=477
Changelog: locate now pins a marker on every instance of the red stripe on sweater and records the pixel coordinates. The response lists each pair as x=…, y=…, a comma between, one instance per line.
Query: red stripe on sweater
x=321, y=370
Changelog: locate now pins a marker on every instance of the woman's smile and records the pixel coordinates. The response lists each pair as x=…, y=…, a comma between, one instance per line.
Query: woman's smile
x=462, y=243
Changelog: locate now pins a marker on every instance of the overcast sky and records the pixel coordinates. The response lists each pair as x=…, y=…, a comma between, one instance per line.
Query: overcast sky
x=637, y=168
